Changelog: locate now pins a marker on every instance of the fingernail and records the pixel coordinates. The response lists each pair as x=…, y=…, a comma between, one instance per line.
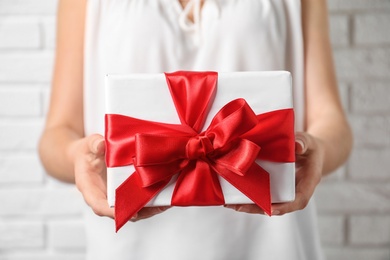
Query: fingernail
x=241, y=208
x=164, y=208
x=134, y=217
x=275, y=212
x=300, y=142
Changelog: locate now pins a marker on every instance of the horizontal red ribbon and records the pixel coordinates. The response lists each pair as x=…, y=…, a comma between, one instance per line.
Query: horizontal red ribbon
x=229, y=148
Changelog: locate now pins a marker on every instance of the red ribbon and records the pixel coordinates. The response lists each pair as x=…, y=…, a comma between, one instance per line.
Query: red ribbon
x=229, y=148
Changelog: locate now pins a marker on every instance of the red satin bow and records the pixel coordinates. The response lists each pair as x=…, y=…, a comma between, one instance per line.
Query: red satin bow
x=229, y=148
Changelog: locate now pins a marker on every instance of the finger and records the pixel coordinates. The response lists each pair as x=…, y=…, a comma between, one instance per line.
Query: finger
x=148, y=212
x=303, y=193
x=100, y=207
x=96, y=144
x=246, y=208
x=279, y=209
x=97, y=201
x=100, y=148
x=308, y=178
x=302, y=142
x=93, y=189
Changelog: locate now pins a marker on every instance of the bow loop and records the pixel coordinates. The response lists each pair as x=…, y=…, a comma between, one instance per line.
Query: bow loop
x=159, y=157
x=238, y=157
x=232, y=121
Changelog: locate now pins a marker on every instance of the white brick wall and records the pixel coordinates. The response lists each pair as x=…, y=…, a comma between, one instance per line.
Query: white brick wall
x=371, y=29
x=18, y=33
x=40, y=219
x=353, y=204
x=21, y=235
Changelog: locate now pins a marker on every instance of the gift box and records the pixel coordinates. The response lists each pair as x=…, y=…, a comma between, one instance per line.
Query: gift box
x=199, y=138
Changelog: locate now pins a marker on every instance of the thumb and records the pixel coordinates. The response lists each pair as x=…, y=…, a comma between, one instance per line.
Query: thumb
x=96, y=144
x=301, y=142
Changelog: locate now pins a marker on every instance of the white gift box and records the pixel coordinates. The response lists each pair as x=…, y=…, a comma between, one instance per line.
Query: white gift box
x=147, y=97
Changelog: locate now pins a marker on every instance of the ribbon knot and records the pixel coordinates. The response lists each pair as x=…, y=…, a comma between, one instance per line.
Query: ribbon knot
x=198, y=147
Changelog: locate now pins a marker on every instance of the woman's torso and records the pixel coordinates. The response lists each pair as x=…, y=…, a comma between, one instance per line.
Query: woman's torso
x=151, y=36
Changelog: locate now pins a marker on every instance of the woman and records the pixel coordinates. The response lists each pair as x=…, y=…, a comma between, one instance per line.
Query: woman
x=149, y=36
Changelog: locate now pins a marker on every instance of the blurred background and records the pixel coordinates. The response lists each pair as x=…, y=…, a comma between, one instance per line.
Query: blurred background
x=40, y=218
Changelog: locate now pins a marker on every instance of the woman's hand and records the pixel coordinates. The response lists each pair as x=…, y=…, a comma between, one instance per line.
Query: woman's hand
x=309, y=164
x=90, y=173
x=309, y=153
x=91, y=177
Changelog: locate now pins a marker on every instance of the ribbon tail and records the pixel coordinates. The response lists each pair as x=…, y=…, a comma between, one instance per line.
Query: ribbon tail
x=131, y=197
x=198, y=186
x=255, y=185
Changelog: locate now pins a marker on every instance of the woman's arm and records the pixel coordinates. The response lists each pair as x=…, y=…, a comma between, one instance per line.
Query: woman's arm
x=65, y=152
x=327, y=140
x=64, y=123
x=325, y=118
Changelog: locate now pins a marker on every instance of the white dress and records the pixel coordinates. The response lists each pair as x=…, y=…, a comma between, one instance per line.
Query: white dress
x=150, y=36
